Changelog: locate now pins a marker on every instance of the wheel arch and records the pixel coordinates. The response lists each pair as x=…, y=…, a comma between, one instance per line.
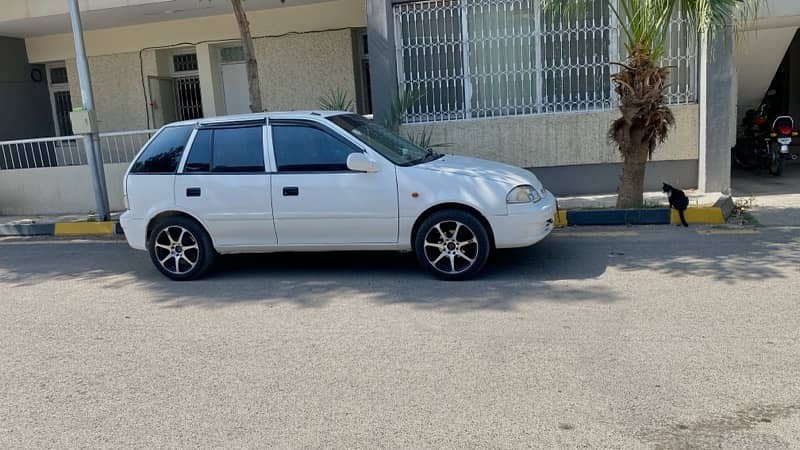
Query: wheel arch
x=457, y=206
x=173, y=213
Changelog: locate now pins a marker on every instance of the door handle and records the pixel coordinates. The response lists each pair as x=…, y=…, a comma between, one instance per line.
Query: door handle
x=291, y=191
x=193, y=192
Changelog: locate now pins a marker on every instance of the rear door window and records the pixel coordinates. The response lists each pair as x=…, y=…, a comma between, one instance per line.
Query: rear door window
x=227, y=150
x=239, y=149
x=164, y=152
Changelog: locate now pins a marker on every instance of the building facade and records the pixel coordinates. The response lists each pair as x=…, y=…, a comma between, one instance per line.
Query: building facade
x=497, y=79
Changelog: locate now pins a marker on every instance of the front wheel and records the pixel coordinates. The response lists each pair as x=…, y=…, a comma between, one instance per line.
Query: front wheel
x=776, y=164
x=452, y=245
x=180, y=248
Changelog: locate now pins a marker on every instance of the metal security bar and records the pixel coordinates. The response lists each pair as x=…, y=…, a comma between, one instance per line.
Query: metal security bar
x=63, y=151
x=492, y=58
x=188, y=101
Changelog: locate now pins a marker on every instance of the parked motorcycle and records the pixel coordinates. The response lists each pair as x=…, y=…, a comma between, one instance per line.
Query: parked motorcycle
x=763, y=147
x=781, y=135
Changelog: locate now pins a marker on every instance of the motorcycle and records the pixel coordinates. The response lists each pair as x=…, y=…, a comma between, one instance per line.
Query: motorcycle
x=761, y=147
x=780, y=138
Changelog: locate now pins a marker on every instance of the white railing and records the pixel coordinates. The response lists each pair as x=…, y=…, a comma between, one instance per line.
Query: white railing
x=118, y=147
x=490, y=58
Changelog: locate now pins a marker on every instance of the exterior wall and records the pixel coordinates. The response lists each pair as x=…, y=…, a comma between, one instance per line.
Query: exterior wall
x=587, y=179
x=119, y=94
x=296, y=70
x=555, y=139
x=338, y=14
x=57, y=190
x=27, y=113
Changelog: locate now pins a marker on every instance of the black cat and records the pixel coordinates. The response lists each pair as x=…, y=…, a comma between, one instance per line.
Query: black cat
x=677, y=200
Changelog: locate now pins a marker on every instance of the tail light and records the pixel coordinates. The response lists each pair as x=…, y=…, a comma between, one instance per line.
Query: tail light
x=759, y=120
x=785, y=131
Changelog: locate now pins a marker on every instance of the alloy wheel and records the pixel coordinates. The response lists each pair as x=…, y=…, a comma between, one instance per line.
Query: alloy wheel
x=176, y=249
x=451, y=247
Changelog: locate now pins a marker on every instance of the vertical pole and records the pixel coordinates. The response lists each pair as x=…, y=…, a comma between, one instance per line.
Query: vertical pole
x=91, y=141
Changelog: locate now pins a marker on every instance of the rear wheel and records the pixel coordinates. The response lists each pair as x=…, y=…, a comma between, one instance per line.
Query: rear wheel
x=776, y=163
x=452, y=245
x=180, y=248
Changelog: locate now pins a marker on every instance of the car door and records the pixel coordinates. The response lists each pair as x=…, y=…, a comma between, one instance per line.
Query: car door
x=318, y=200
x=224, y=181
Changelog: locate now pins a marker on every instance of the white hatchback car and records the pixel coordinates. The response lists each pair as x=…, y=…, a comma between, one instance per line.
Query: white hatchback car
x=319, y=181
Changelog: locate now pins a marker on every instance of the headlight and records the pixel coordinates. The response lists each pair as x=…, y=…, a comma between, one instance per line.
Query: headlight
x=523, y=194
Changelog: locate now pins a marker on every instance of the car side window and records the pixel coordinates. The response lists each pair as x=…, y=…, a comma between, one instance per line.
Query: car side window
x=305, y=148
x=237, y=149
x=229, y=149
x=199, y=159
x=164, y=152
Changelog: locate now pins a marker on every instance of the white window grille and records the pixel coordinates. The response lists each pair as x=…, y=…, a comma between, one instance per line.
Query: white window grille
x=491, y=58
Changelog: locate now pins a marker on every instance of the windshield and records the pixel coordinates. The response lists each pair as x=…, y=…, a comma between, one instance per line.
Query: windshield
x=394, y=147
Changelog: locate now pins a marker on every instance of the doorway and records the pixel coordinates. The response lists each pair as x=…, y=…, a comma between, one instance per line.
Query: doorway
x=234, y=80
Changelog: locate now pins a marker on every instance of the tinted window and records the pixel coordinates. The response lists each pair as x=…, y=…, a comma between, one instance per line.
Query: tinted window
x=199, y=159
x=306, y=148
x=238, y=149
x=164, y=152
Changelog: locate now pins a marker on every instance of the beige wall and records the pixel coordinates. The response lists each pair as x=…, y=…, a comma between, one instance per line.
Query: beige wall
x=296, y=70
x=555, y=139
x=56, y=190
x=271, y=22
x=118, y=92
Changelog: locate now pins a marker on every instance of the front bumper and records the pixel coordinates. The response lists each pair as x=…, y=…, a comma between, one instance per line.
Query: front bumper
x=525, y=224
x=135, y=230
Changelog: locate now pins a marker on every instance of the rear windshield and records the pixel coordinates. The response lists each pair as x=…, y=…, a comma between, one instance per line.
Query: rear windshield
x=164, y=152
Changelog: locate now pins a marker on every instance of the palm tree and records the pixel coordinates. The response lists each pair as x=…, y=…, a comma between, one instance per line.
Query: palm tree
x=254, y=87
x=646, y=120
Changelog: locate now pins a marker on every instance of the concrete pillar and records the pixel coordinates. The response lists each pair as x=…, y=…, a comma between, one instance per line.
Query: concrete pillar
x=382, y=64
x=717, y=96
x=210, y=80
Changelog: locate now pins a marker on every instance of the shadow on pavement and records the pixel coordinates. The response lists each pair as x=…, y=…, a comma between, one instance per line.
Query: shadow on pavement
x=544, y=273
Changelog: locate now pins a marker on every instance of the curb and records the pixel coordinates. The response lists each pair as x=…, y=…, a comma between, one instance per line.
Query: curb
x=713, y=215
x=63, y=229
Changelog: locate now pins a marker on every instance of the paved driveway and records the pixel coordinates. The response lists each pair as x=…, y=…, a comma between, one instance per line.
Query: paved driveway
x=772, y=200
x=654, y=337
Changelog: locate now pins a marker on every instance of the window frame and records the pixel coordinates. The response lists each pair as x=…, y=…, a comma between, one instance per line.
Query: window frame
x=268, y=163
x=345, y=140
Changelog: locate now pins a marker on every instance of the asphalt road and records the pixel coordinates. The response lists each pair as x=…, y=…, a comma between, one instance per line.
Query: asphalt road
x=651, y=337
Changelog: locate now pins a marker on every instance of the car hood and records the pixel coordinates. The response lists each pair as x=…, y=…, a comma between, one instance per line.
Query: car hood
x=480, y=168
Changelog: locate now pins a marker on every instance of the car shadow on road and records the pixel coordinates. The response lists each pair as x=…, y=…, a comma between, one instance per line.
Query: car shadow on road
x=315, y=279
x=566, y=268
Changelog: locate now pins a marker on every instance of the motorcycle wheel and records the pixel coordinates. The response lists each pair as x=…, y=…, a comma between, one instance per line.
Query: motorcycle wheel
x=744, y=158
x=776, y=163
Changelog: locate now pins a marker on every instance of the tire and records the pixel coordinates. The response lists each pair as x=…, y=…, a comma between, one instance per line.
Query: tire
x=776, y=164
x=180, y=248
x=452, y=245
x=743, y=157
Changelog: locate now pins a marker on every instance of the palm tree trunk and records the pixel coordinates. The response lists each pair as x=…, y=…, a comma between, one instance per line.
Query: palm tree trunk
x=630, y=193
x=249, y=56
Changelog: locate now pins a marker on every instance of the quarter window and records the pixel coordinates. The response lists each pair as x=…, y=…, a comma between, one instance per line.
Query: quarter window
x=226, y=150
x=164, y=152
x=199, y=159
x=304, y=148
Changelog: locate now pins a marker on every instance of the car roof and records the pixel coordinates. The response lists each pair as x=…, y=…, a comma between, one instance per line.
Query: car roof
x=259, y=116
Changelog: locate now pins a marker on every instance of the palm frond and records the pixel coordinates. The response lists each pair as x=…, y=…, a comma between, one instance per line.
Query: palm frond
x=401, y=103
x=336, y=100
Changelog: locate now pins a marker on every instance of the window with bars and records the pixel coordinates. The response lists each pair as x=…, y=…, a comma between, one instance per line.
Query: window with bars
x=491, y=58
x=184, y=62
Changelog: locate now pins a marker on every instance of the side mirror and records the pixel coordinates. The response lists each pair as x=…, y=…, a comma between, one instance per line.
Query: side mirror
x=359, y=162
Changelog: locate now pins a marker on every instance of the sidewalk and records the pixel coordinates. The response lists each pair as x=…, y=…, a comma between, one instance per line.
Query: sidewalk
x=57, y=225
x=583, y=210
